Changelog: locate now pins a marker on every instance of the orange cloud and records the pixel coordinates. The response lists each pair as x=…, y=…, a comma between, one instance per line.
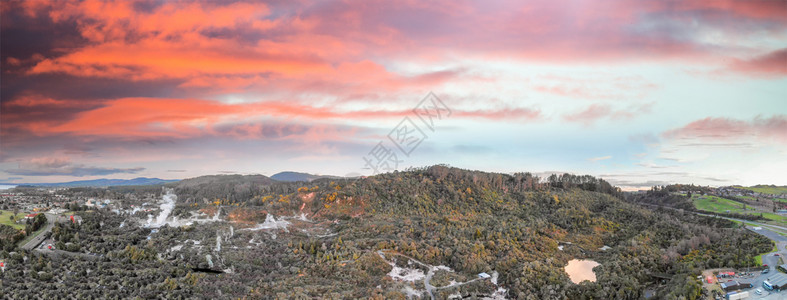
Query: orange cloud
x=34, y=101
x=170, y=42
x=182, y=118
x=204, y=39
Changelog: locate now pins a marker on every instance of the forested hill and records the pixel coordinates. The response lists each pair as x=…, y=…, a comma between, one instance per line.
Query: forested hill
x=475, y=221
x=321, y=239
x=233, y=187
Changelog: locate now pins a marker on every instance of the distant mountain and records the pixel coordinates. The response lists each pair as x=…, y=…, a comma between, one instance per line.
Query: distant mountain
x=296, y=176
x=221, y=180
x=103, y=182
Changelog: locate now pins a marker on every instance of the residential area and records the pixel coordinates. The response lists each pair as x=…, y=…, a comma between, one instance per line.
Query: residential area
x=20, y=208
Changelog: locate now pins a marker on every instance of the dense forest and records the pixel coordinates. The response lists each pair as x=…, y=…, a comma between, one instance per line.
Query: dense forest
x=321, y=239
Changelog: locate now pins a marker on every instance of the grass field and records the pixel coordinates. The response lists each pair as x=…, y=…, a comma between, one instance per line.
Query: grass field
x=5, y=220
x=717, y=204
x=776, y=190
x=775, y=217
x=722, y=205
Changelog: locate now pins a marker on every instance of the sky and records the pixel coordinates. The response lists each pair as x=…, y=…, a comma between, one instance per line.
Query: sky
x=640, y=93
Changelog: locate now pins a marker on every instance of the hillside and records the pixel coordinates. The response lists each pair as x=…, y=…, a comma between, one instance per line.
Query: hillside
x=765, y=189
x=344, y=238
x=234, y=187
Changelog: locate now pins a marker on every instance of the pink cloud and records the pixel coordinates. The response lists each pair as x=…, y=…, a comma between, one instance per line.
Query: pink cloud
x=773, y=64
x=725, y=129
x=596, y=112
x=632, y=112
x=309, y=42
x=597, y=87
x=590, y=115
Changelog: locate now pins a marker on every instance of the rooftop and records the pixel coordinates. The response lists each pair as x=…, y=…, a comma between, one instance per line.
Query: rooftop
x=778, y=279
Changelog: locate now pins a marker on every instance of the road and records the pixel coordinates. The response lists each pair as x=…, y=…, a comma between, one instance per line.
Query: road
x=769, y=233
x=36, y=241
x=772, y=260
x=33, y=243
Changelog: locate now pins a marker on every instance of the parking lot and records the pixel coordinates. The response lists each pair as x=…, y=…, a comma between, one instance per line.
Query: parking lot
x=755, y=275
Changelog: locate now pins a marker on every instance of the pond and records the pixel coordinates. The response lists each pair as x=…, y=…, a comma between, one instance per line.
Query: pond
x=581, y=269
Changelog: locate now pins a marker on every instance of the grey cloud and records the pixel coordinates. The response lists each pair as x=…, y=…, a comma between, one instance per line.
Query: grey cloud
x=72, y=170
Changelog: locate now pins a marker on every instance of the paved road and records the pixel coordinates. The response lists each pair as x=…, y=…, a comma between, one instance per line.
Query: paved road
x=774, y=236
x=33, y=243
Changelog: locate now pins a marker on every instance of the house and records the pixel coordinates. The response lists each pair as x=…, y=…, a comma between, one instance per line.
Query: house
x=30, y=216
x=734, y=285
x=731, y=285
x=776, y=282
x=782, y=268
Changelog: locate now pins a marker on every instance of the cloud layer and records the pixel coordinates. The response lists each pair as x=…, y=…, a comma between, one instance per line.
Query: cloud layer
x=157, y=86
x=48, y=166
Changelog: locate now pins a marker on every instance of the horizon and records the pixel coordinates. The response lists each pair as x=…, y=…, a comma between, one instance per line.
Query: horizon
x=541, y=175
x=639, y=95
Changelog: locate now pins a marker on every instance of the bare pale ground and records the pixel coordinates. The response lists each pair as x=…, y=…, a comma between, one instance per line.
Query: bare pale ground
x=580, y=270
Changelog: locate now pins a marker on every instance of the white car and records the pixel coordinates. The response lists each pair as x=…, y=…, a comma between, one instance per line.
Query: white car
x=758, y=292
